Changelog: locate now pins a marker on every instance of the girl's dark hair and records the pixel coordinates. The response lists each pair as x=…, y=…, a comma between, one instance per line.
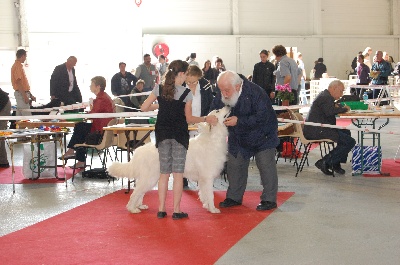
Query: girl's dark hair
x=264, y=52
x=204, y=66
x=174, y=68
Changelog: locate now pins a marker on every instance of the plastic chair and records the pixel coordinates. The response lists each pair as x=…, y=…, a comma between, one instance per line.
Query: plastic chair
x=292, y=139
x=307, y=143
x=121, y=142
x=314, y=90
x=104, y=145
x=303, y=96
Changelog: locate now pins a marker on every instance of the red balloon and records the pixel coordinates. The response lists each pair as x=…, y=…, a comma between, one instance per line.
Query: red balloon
x=160, y=49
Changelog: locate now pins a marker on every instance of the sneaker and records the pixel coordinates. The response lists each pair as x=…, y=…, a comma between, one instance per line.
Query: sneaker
x=161, y=215
x=228, y=202
x=177, y=216
x=266, y=205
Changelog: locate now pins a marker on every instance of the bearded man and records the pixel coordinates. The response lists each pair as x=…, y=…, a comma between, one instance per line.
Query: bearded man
x=253, y=131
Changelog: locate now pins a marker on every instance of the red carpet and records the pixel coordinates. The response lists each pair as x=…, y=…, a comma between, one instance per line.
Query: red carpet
x=6, y=176
x=104, y=232
x=389, y=166
x=343, y=122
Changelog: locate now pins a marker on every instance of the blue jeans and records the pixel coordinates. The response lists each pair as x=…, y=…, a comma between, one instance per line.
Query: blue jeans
x=81, y=130
x=340, y=152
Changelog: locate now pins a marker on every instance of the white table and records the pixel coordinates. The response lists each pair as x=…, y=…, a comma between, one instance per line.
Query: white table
x=34, y=137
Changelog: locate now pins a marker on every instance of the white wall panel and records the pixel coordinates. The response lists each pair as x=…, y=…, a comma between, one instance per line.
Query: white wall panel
x=186, y=17
x=8, y=24
x=80, y=16
x=367, y=17
x=284, y=17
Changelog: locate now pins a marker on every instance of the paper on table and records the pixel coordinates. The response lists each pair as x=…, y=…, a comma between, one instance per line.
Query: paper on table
x=139, y=125
x=373, y=74
x=361, y=111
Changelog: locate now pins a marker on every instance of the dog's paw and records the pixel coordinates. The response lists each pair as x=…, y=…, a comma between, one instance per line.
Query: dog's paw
x=143, y=207
x=133, y=210
x=215, y=210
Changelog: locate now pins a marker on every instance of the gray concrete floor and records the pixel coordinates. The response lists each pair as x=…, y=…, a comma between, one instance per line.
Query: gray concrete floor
x=342, y=220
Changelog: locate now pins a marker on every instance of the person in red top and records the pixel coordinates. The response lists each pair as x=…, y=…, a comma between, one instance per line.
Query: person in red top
x=102, y=104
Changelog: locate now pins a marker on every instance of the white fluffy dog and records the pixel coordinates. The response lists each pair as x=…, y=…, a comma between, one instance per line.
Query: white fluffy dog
x=204, y=161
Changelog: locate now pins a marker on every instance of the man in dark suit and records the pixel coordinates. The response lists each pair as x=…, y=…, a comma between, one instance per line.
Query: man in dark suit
x=323, y=110
x=63, y=85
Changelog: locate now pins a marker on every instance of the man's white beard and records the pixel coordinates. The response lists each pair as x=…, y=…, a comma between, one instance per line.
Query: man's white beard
x=231, y=101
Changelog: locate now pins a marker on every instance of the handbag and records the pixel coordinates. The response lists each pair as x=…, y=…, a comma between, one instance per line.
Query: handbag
x=372, y=159
x=97, y=173
x=289, y=150
x=93, y=138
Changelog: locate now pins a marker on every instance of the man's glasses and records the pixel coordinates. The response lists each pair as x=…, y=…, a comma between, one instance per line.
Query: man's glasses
x=192, y=83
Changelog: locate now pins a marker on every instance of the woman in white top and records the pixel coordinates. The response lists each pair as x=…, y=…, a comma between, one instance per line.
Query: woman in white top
x=202, y=93
x=302, y=94
x=367, y=60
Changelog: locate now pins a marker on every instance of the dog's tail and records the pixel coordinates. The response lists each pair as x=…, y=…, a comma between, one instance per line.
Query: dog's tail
x=119, y=170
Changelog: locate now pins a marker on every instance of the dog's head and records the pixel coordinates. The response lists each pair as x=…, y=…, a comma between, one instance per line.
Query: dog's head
x=221, y=114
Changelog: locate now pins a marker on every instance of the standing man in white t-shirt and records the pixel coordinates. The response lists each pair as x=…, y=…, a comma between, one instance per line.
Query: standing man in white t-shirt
x=302, y=94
